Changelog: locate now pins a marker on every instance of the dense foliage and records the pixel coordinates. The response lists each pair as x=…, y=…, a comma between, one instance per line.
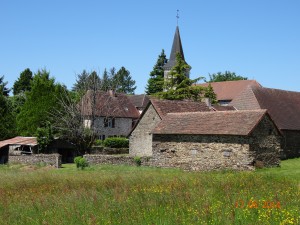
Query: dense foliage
x=227, y=76
x=116, y=142
x=40, y=101
x=23, y=82
x=156, y=81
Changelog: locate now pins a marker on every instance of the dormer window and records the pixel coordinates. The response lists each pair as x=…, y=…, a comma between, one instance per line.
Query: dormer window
x=109, y=122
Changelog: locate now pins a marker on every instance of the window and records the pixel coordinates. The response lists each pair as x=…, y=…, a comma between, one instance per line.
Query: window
x=109, y=122
x=87, y=123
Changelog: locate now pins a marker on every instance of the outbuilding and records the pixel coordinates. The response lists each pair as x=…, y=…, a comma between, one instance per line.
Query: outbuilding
x=216, y=140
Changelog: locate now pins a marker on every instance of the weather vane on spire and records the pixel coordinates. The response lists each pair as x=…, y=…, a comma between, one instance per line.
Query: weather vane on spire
x=177, y=16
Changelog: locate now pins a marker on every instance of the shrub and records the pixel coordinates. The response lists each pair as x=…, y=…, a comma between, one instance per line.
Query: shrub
x=116, y=142
x=80, y=162
x=98, y=142
x=138, y=160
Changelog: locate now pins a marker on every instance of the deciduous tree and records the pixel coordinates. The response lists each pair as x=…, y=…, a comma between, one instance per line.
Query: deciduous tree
x=227, y=76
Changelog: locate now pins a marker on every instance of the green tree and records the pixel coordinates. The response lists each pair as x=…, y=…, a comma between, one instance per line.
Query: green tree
x=122, y=82
x=44, y=137
x=227, y=76
x=81, y=81
x=106, y=82
x=40, y=101
x=179, y=86
x=209, y=93
x=156, y=80
x=7, y=119
x=4, y=90
x=23, y=82
x=87, y=81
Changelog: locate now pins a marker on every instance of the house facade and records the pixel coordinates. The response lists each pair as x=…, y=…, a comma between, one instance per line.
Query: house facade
x=216, y=140
x=108, y=113
x=140, y=138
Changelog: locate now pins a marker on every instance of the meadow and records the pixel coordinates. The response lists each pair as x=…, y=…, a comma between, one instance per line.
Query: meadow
x=108, y=194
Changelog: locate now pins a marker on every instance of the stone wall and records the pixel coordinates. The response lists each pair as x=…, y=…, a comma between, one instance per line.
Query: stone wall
x=198, y=152
x=140, y=140
x=47, y=159
x=122, y=127
x=115, y=160
x=291, y=144
x=108, y=151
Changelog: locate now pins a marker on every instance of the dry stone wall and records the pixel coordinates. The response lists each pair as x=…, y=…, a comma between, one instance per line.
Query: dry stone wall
x=46, y=159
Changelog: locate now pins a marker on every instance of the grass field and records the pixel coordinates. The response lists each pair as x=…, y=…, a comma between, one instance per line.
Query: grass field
x=143, y=195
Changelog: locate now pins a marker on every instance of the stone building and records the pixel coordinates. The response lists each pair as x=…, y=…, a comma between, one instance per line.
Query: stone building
x=140, y=139
x=283, y=107
x=110, y=113
x=216, y=140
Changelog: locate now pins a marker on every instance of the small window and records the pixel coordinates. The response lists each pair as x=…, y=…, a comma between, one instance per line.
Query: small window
x=109, y=122
x=87, y=123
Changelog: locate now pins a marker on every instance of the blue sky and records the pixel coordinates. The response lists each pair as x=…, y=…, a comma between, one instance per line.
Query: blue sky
x=254, y=38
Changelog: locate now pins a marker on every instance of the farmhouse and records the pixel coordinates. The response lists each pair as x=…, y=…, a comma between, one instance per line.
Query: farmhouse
x=113, y=114
x=216, y=140
x=283, y=107
x=140, y=139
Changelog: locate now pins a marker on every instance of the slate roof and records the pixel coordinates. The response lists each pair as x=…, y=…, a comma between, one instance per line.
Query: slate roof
x=175, y=106
x=228, y=90
x=108, y=105
x=283, y=106
x=176, y=47
x=139, y=101
x=211, y=123
x=30, y=141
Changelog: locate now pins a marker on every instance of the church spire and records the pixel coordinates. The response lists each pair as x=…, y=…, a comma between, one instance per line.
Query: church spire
x=176, y=48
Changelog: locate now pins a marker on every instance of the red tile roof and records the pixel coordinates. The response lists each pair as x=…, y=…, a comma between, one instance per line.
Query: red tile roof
x=228, y=90
x=222, y=108
x=283, y=106
x=31, y=141
x=211, y=123
x=109, y=105
x=175, y=106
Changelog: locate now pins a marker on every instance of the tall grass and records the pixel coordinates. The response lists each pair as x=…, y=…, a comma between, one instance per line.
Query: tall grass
x=141, y=195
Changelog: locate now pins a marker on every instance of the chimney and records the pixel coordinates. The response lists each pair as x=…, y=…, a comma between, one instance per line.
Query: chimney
x=112, y=93
x=207, y=102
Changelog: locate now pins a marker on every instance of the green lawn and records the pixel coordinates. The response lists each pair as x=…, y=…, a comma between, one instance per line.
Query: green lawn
x=144, y=195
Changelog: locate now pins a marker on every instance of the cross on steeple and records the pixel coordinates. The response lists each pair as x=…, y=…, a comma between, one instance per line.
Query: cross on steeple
x=177, y=16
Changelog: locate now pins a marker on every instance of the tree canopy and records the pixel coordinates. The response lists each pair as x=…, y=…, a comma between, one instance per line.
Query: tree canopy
x=156, y=80
x=122, y=82
x=40, y=101
x=4, y=90
x=23, y=82
x=226, y=76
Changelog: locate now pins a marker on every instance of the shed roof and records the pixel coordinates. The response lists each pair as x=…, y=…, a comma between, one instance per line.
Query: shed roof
x=211, y=123
x=228, y=90
x=30, y=141
x=283, y=106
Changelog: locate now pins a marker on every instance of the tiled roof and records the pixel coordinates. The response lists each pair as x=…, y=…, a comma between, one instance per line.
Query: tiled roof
x=31, y=141
x=222, y=108
x=283, y=106
x=139, y=101
x=174, y=106
x=228, y=90
x=108, y=105
x=210, y=123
